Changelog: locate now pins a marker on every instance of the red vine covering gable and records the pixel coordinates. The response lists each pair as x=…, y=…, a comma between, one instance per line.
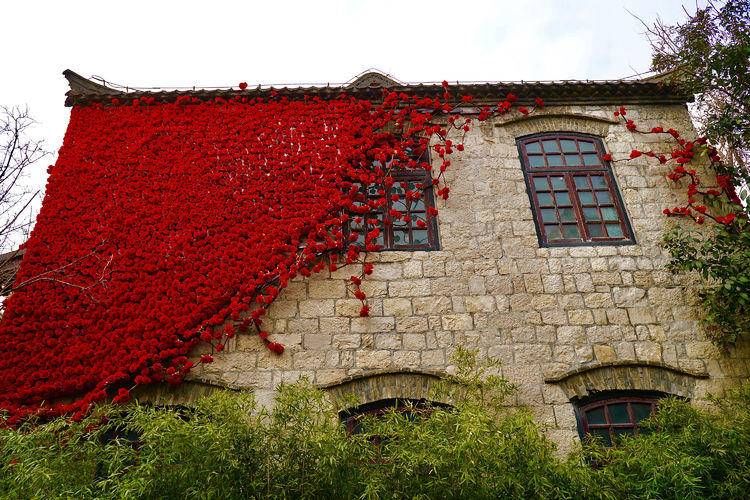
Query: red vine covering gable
x=168, y=225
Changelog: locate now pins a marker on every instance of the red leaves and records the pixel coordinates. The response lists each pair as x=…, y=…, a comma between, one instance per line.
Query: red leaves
x=726, y=219
x=607, y=157
x=243, y=85
x=635, y=154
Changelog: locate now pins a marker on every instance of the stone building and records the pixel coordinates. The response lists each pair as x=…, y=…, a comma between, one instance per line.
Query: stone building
x=544, y=258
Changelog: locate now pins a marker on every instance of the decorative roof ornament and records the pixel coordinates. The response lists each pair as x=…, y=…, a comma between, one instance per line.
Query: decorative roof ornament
x=373, y=79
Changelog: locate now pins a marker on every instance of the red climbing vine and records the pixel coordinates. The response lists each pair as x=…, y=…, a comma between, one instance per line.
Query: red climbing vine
x=169, y=225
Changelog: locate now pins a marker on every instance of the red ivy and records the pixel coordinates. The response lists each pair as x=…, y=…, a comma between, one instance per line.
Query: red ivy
x=171, y=225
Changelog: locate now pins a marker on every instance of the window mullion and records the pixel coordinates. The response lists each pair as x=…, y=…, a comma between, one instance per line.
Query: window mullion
x=576, y=202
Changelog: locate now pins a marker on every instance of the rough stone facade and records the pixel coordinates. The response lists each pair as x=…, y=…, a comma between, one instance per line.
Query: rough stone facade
x=564, y=322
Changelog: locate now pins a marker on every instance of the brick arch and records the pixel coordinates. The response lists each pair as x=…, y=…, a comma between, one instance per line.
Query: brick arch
x=628, y=375
x=373, y=387
x=557, y=122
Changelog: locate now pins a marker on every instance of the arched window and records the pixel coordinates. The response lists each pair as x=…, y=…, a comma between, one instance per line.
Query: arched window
x=611, y=415
x=572, y=191
x=411, y=409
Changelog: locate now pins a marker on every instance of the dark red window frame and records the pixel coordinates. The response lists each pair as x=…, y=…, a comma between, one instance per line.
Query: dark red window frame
x=414, y=209
x=610, y=418
x=573, y=193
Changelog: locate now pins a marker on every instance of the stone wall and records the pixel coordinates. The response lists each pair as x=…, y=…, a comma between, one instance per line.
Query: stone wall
x=556, y=318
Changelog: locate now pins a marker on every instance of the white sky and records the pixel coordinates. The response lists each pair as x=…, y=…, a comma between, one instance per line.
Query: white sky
x=220, y=43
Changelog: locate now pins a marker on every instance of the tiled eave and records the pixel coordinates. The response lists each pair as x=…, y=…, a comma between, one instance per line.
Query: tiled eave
x=371, y=86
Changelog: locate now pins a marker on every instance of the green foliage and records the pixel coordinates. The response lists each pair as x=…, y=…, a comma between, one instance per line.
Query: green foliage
x=226, y=447
x=710, y=56
x=722, y=257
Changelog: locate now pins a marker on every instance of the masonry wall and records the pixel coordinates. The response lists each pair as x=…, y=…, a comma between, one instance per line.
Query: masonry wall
x=564, y=322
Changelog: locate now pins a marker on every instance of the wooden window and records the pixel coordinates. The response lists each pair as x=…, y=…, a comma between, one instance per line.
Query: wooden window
x=612, y=418
x=572, y=191
x=400, y=234
x=410, y=409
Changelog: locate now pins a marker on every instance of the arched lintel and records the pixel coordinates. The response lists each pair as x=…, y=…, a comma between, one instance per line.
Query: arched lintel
x=587, y=380
x=557, y=122
x=378, y=385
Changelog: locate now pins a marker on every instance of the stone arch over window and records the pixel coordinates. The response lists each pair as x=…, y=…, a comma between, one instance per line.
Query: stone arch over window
x=373, y=387
x=588, y=381
x=555, y=122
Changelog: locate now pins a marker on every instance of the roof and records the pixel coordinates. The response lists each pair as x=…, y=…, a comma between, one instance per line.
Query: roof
x=370, y=86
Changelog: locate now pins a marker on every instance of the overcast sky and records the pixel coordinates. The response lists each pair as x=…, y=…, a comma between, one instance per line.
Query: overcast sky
x=220, y=43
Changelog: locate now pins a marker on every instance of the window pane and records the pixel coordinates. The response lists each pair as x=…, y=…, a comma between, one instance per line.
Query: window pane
x=618, y=413
x=567, y=215
x=550, y=146
x=417, y=205
x=587, y=198
x=596, y=416
x=609, y=213
x=536, y=161
x=582, y=182
x=545, y=199
x=590, y=159
x=400, y=237
x=603, y=197
x=573, y=160
x=568, y=145
x=552, y=232
x=554, y=161
x=372, y=190
x=641, y=411
x=598, y=182
x=563, y=199
x=596, y=230
x=399, y=205
x=614, y=231
x=548, y=215
x=586, y=146
x=602, y=435
x=398, y=223
x=591, y=214
x=540, y=184
x=419, y=236
x=620, y=432
x=571, y=232
x=558, y=184
x=533, y=147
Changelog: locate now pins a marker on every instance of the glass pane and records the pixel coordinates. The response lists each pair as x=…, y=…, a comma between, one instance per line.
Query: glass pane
x=618, y=413
x=601, y=435
x=398, y=189
x=533, y=147
x=603, y=197
x=586, y=146
x=573, y=160
x=596, y=416
x=571, y=232
x=419, y=236
x=552, y=232
x=400, y=238
x=567, y=215
x=554, y=161
x=587, y=198
x=549, y=215
x=558, y=184
x=540, y=184
x=596, y=230
x=641, y=411
x=620, y=432
x=582, y=182
x=545, y=199
x=417, y=205
x=550, y=146
x=590, y=159
x=609, y=213
x=399, y=205
x=398, y=223
x=568, y=145
x=372, y=190
x=536, y=161
x=598, y=182
x=563, y=199
x=614, y=231
x=591, y=214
